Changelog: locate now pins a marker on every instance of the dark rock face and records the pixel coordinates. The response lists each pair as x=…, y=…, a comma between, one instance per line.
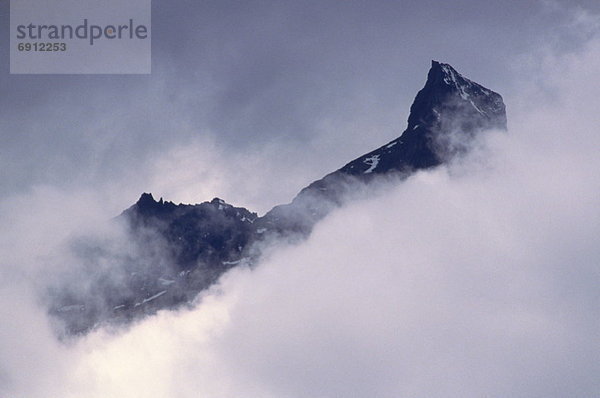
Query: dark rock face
x=214, y=233
x=185, y=248
x=172, y=252
x=444, y=118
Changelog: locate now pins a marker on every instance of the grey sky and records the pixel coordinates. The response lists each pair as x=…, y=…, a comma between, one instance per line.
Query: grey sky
x=309, y=84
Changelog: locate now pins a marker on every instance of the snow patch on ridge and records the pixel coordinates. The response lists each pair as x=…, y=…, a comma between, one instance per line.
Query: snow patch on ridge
x=372, y=161
x=157, y=295
x=451, y=79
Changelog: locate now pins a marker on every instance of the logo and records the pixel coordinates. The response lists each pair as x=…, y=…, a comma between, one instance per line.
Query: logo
x=83, y=36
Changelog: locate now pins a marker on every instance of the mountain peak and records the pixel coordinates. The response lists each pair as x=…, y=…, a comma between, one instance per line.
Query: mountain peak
x=146, y=199
x=450, y=95
x=444, y=117
x=445, y=74
x=147, y=205
x=441, y=68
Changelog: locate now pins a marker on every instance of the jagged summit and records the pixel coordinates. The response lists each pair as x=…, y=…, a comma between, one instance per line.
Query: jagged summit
x=183, y=249
x=445, y=87
x=147, y=200
x=148, y=206
x=444, y=117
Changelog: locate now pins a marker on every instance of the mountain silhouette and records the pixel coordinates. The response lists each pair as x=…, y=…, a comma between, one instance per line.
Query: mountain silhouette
x=183, y=249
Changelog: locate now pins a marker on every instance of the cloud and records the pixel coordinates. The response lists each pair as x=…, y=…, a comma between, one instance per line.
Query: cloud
x=479, y=279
